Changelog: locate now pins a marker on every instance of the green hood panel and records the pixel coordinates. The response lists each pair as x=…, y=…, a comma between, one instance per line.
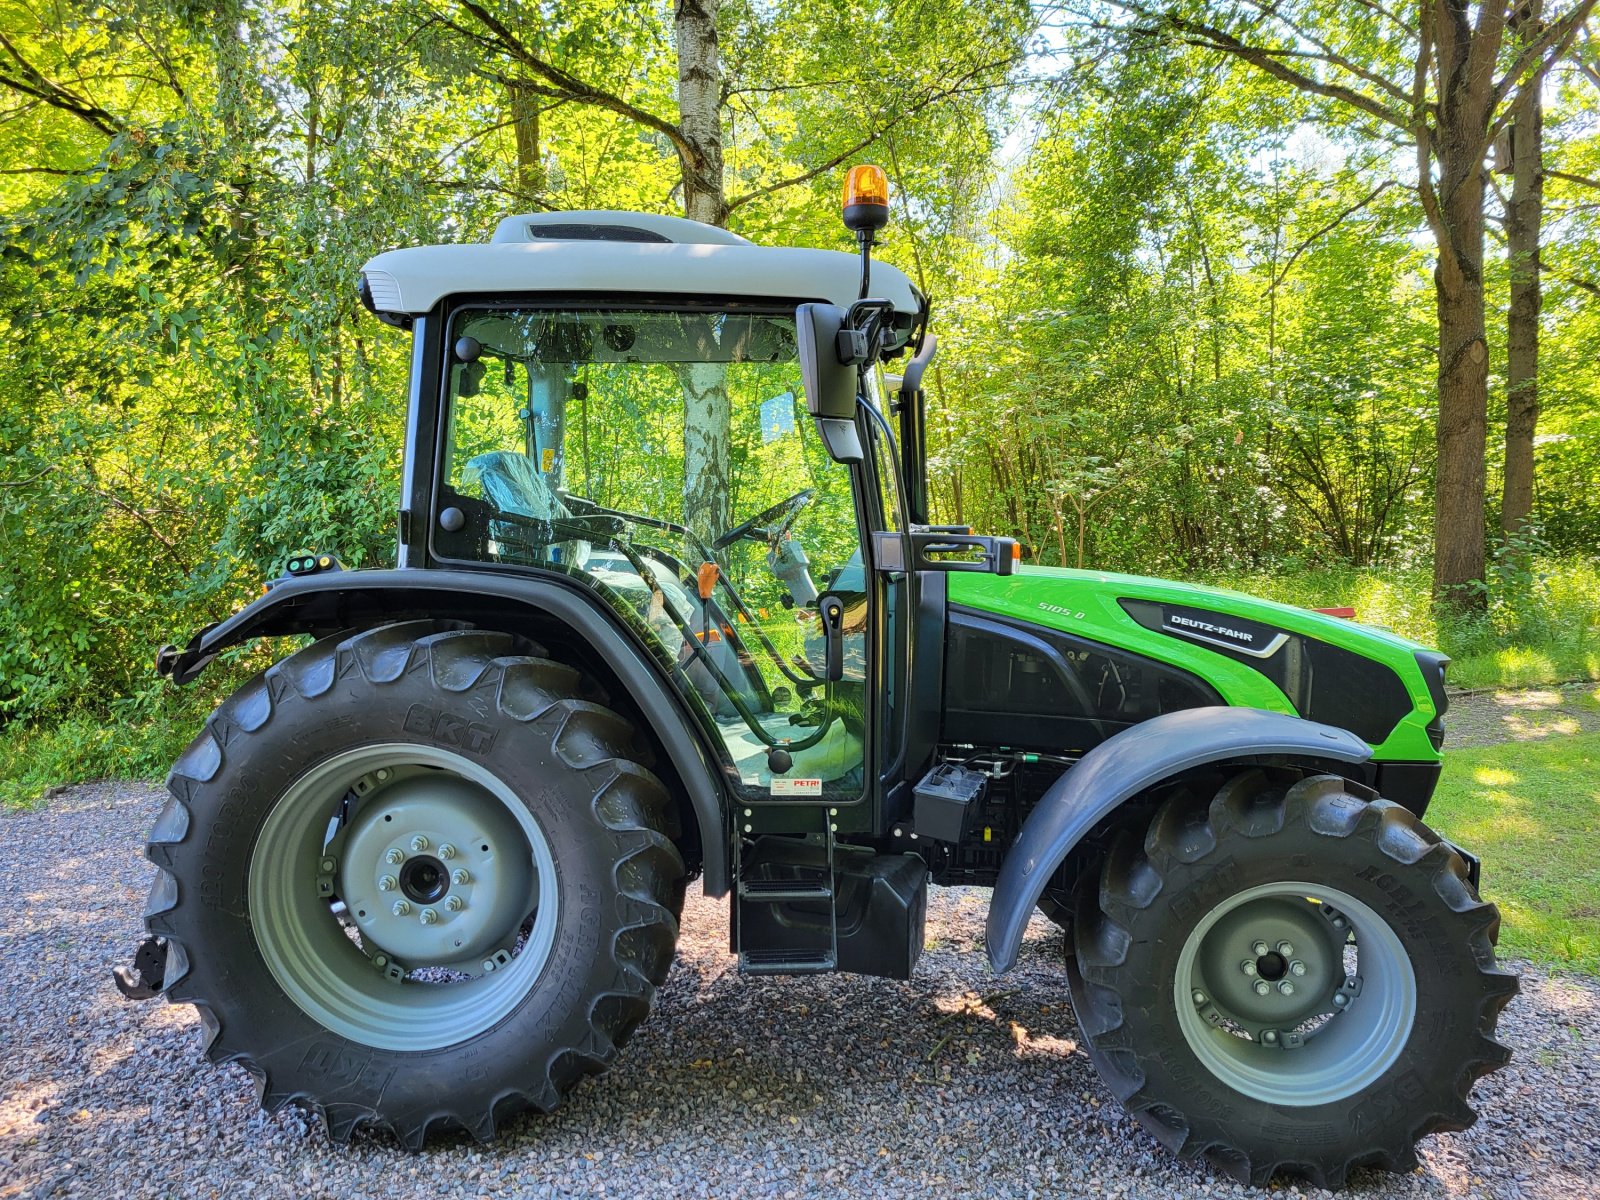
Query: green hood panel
x=1086, y=604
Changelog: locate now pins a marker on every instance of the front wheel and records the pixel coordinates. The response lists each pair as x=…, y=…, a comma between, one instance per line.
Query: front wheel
x=416, y=878
x=1288, y=976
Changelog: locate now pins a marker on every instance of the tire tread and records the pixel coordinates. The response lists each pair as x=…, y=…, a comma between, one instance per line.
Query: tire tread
x=528, y=687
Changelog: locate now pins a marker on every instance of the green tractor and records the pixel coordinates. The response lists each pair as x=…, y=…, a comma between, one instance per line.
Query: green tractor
x=668, y=606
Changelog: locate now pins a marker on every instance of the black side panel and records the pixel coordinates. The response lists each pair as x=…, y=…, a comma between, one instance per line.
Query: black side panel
x=560, y=614
x=1024, y=686
x=1408, y=783
x=1324, y=682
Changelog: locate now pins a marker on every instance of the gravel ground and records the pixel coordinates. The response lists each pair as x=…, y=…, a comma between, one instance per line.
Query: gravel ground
x=1486, y=718
x=954, y=1084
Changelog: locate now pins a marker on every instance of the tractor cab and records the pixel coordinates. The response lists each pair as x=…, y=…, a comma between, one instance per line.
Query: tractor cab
x=646, y=425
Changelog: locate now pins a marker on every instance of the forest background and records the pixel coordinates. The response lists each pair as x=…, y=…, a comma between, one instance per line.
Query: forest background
x=1203, y=277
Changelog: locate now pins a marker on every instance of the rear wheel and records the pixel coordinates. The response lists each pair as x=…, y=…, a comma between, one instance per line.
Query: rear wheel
x=1289, y=977
x=417, y=877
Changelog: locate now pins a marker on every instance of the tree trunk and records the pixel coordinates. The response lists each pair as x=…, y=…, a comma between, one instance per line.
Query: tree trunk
x=700, y=110
x=705, y=450
x=707, y=444
x=525, y=127
x=1458, y=524
x=1523, y=217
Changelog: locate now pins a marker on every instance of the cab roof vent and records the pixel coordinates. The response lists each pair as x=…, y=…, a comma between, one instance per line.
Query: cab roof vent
x=593, y=233
x=599, y=225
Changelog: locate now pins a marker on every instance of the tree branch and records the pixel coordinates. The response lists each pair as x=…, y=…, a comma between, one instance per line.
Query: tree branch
x=1329, y=228
x=1267, y=60
x=1421, y=131
x=567, y=86
x=1555, y=38
x=1581, y=180
x=932, y=97
x=32, y=82
x=1329, y=55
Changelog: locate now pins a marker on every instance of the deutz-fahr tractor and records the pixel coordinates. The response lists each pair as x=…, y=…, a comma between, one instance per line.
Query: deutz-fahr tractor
x=668, y=606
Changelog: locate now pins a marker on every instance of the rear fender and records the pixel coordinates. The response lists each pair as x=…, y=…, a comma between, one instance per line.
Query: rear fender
x=324, y=604
x=1125, y=765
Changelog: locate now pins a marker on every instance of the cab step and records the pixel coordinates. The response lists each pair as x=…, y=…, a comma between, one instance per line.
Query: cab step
x=777, y=891
x=786, y=961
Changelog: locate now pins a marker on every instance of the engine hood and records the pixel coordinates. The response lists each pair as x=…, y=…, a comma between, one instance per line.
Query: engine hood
x=1254, y=652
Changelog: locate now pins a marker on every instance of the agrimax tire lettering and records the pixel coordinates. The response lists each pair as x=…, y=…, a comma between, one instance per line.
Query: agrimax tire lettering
x=1203, y=895
x=1410, y=912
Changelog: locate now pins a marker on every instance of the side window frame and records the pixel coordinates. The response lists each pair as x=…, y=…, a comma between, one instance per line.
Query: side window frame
x=864, y=484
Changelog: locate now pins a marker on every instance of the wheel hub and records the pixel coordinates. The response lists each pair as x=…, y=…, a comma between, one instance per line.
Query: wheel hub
x=1266, y=1004
x=424, y=879
x=1272, y=962
x=436, y=873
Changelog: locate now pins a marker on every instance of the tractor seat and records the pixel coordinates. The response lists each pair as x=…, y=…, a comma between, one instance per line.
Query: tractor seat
x=512, y=484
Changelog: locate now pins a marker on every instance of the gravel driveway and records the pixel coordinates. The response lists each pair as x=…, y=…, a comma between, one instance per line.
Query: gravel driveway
x=954, y=1084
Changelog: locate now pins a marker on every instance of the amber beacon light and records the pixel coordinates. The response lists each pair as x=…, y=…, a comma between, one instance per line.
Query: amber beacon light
x=866, y=199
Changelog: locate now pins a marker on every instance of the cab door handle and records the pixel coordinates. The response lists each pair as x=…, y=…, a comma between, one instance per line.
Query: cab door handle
x=830, y=608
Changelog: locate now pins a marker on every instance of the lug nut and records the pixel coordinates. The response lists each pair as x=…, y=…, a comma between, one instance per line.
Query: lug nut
x=455, y=903
x=1262, y=987
x=1199, y=996
x=1340, y=1000
x=460, y=875
x=1248, y=966
x=447, y=851
x=394, y=857
x=1270, y=1037
x=1286, y=987
x=380, y=960
x=401, y=908
x=1297, y=967
x=388, y=883
x=1259, y=948
x=429, y=917
x=329, y=866
x=419, y=843
x=1286, y=949
x=383, y=773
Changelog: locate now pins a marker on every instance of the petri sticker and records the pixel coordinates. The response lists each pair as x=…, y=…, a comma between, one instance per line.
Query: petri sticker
x=797, y=787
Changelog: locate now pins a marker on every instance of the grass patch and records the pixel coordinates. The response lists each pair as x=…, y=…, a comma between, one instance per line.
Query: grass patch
x=138, y=739
x=1531, y=810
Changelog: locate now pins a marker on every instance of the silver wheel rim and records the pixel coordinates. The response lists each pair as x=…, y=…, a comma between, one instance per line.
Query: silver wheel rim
x=403, y=897
x=1337, y=1028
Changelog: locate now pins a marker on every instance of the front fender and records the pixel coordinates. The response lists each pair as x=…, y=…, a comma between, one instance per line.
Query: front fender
x=1125, y=765
x=327, y=603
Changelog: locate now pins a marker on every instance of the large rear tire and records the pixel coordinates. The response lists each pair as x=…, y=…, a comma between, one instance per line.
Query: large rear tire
x=1280, y=975
x=417, y=878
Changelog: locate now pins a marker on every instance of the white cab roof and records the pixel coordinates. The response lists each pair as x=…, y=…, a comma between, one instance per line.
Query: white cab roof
x=620, y=253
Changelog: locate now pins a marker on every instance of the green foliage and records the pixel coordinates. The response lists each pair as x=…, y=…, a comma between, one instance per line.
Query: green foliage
x=1532, y=811
x=137, y=738
x=1185, y=326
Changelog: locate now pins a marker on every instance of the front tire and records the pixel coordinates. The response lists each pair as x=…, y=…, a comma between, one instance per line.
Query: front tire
x=417, y=878
x=1280, y=975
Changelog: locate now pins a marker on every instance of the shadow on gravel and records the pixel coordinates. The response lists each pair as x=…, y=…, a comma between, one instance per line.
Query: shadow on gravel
x=956, y=1083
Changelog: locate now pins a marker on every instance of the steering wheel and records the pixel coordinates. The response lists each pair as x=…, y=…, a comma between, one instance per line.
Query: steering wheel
x=787, y=510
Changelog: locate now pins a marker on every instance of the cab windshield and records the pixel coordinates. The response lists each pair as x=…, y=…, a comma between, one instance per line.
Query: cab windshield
x=666, y=458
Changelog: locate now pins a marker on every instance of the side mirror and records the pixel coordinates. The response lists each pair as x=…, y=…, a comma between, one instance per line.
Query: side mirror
x=830, y=385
